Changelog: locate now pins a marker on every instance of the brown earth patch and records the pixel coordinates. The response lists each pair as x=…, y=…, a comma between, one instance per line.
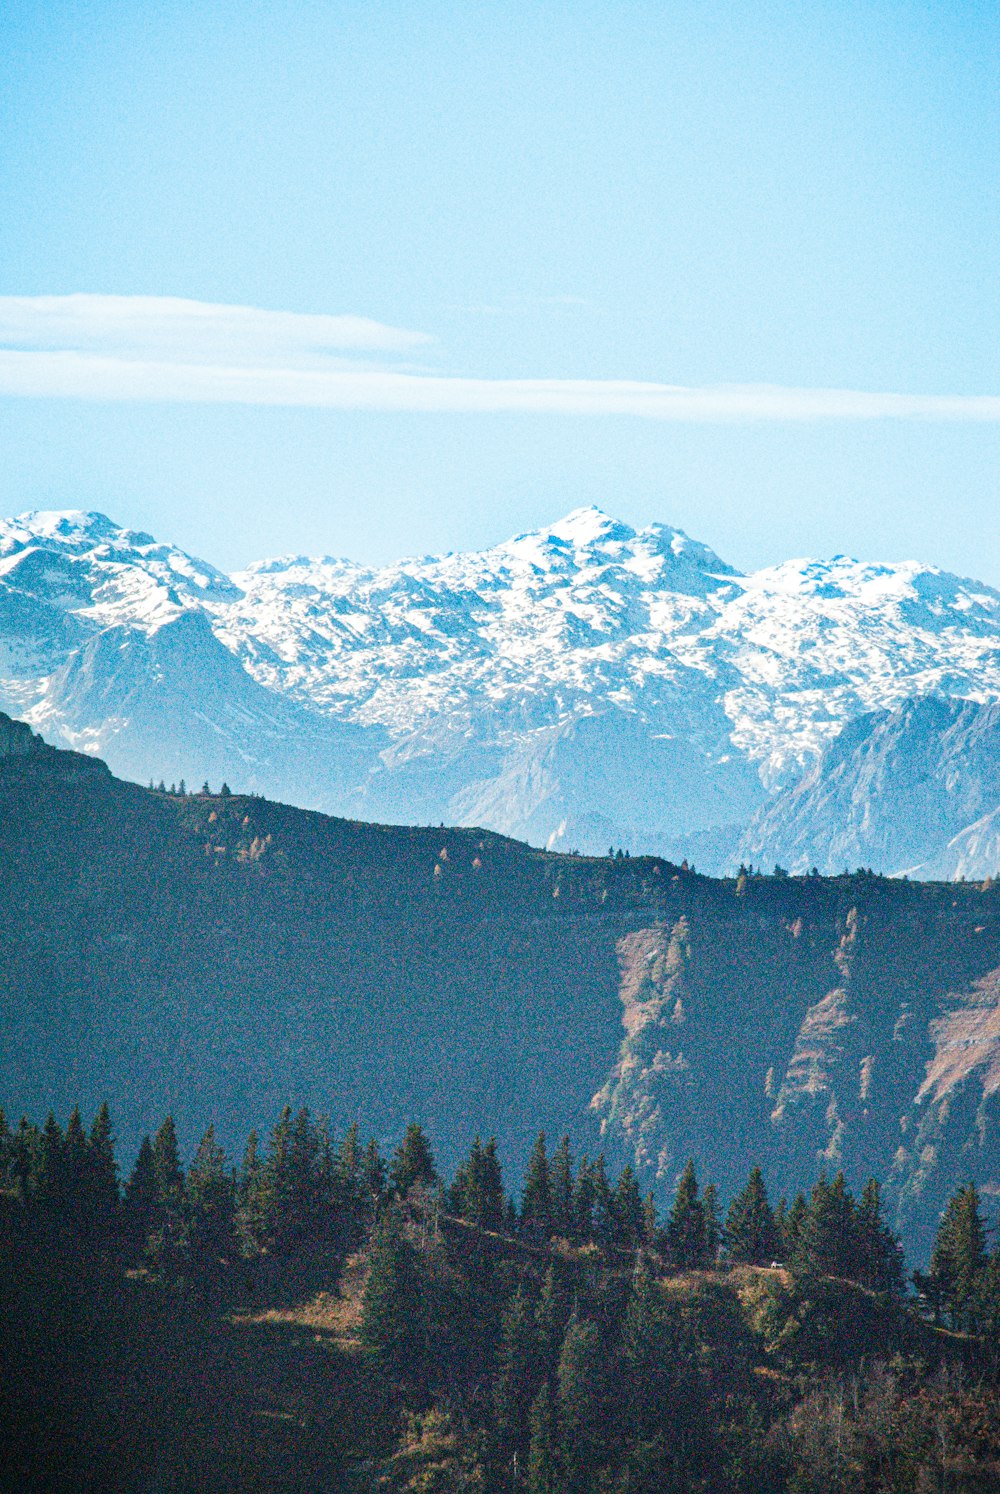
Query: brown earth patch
x=966, y=1041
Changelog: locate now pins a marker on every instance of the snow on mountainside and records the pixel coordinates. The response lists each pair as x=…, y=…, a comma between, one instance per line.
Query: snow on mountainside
x=106, y=645
x=589, y=613
x=580, y=684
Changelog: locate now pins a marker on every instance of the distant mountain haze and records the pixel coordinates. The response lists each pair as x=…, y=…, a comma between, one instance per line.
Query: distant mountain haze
x=913, y=791
x=579, y=686
x=217, y=956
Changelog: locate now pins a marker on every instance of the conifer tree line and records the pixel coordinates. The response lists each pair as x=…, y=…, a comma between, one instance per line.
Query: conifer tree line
x=299, y=1192
x=302, y=1190
x=565, y=1339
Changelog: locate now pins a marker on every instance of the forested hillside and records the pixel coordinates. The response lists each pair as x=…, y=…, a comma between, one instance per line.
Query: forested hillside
x=323, y=1317
x=219, y=956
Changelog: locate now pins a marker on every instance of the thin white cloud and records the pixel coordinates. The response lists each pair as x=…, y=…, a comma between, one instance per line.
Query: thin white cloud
x=153, y=349
x=84, y=376
x=169, y=329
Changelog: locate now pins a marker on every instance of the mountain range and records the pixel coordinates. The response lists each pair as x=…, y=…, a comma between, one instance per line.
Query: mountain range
x=220, y=955
x=582, y=685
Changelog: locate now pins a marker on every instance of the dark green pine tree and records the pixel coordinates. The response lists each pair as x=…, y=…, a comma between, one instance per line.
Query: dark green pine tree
x=604, y=1207
x=465, y=1199
x=581, y=1405
x=781, y=1224
x=140, y=1201
x=491, y=1189
x=551, y=1316
x=477, y=1195
x=303, y=1180
x=650, y=1222
x=373, y=1176
x=168, y=1240
x=329, y=1195
x=646, y=1360
x=102, y=1173
x=167, y=1164
x=536, y=1199
x=25, y=1147
x=413, y=1163
x=394, y=1325
x=252, y=1200
x=8, y=1178
x=561, y=1190
x=281, y=1224
x=583, y=1201
x=713, y=1228
x=843, y=1251
x=211, y=1205
x=751, y=1235
x=350, y=1156
x=517, y=1372
x=987, y=1311
x=630, y=1225
x=75, y=1168
x=958, y=1257
x=791, y=1225
x=355, y=1203
x=686, y=1225
x=814, y=1244
x=826, y=1238
x=300, y=1181
x=879, y=1253
x=543, y=1447
x=457, y=1199
x=48, y=1180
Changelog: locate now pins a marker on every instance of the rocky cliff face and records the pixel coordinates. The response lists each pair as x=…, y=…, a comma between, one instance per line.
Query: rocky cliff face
x=581, y=685
x=221, y=956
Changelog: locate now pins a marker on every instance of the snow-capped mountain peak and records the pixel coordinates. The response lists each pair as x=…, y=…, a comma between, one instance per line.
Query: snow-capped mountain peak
x=104, y=571
x=66, y=526
x=589, y=526
x=536, y=685
x=588, y=536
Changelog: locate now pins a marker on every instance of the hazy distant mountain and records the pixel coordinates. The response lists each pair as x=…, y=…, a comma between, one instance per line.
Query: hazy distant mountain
x=220, y=956
x=915, y=790
x=582, y=685
x=973, y=852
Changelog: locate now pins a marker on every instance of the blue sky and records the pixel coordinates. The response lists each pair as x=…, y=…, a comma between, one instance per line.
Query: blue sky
x=563, y=247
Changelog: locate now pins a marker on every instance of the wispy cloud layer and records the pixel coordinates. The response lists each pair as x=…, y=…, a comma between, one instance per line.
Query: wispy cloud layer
x=158, y=349
x=169, y=329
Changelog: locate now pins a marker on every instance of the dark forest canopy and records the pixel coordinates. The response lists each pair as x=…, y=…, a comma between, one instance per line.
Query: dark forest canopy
x=322, y=1312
